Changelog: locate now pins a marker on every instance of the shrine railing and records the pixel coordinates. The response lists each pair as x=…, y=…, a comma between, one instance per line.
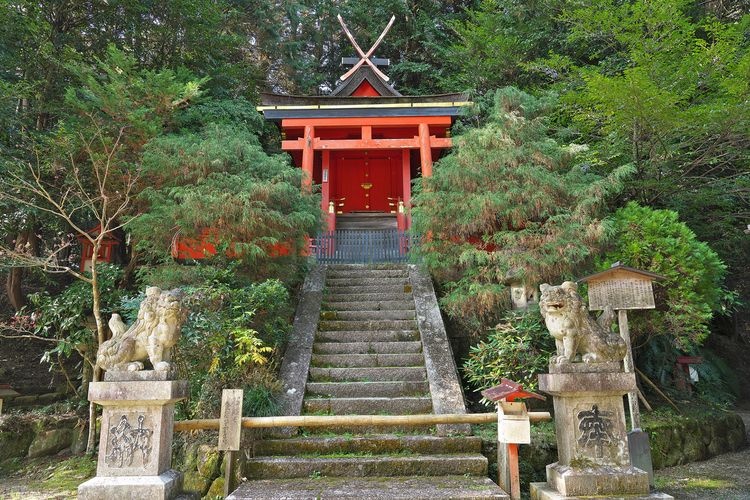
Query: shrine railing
x=363, y=246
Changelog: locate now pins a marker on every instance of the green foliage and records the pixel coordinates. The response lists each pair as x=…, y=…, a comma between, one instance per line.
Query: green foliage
x=665, y=87
x=66, y=317
x=661, y=86
x=717, y=383
x=518, y=348
x=509, y=203
x=656, y=241
x=217, y=184
x=501, y=43
x=231, y=339
x=120, y=93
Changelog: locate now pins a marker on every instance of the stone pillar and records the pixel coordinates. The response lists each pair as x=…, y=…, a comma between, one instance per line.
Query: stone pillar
x=593, y=458
x=135, y=445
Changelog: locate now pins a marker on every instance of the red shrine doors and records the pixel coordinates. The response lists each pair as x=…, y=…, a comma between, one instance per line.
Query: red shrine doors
x=366, y=180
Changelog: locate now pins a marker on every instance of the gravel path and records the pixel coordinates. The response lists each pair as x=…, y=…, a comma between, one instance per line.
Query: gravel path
x=726, y=477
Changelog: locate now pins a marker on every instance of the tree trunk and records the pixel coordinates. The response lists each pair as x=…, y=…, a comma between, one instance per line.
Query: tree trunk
x=128, y=274
x=13, y=289
x=25, y=242
x=95, y=293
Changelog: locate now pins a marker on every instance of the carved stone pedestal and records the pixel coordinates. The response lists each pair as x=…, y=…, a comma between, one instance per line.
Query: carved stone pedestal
x=135, y=447
x=593, y=458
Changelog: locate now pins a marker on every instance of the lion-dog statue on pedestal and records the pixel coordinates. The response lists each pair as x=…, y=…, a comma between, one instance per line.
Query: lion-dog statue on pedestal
x=575, y=332
x=151, y=337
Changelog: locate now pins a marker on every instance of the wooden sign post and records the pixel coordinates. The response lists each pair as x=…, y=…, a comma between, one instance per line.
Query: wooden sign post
x=622, y=288
x=513, y=428
x=230, y=432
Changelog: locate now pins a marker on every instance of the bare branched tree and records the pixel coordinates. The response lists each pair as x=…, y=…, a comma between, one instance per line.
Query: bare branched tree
x=95, y=186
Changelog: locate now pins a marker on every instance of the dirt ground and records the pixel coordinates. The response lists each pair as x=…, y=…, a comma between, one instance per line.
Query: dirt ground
x=47, y=478
x=726, y=477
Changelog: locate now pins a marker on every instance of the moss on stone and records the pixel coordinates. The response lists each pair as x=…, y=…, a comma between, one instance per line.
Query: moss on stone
x=50, y=442
x=193, y=482
x=15, y=444
x=216, y=490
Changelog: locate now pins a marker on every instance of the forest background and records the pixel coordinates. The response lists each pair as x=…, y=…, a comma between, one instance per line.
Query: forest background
x=645, y=101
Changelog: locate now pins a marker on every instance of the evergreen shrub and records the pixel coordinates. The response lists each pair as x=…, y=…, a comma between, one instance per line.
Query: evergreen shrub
x=518, y=348
x=509, y=203
x=656, y=241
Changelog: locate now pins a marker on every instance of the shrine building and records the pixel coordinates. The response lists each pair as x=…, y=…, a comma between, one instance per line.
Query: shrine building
x=365, y=142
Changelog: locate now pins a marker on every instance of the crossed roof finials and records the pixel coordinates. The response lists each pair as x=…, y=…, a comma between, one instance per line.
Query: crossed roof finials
x=365, y=57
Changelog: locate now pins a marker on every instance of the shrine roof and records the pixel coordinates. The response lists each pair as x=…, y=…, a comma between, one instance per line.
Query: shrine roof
x=365, y=74
x=616, y=268
x=279, y=106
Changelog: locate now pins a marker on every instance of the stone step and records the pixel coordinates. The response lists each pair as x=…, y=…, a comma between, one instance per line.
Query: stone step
x=367, y=273
x=366, y=360
x=405, y=374
x=374, y=488
x=332, y=299
x=366, y=430
x=380, y=305
x=374, y=444
x=367, y=267
x=367, y=347
x=366, y=281
x=367, y=406
x=354, y=289
x=471, y=464
x=373, y=324
x=367, y=315
x=366, y=389
x=367, y=336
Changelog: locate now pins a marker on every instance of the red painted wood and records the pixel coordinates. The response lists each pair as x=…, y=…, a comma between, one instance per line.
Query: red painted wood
x=365, y=144
x=394, y=121
x=406, y=185
x=515, y=477
x=326, y=191
x=365, y=89
x=307, y=157
x=353, y=170
x=425, y=152
x=203, y=246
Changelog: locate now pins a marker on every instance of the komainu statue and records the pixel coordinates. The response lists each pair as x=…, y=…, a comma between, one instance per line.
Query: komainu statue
x=151, y=337
x=575, y=332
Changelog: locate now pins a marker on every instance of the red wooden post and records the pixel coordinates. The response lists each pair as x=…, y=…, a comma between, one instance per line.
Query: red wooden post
x=425, y=153
x=406, y=180
x=515, y=476
x=307, y=158
x=326, y=191
x=366, y=132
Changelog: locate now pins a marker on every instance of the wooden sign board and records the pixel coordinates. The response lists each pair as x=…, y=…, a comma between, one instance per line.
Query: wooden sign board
x=622, y=288
x=621, y=293
x=230, y=423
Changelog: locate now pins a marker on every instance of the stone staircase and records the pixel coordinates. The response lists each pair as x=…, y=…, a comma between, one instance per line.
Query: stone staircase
x=366, y=221
x=367, y=359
